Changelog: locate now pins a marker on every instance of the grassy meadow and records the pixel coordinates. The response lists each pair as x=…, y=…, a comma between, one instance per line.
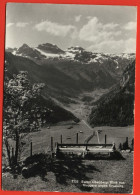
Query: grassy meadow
x=67, y=175
x=42, y=139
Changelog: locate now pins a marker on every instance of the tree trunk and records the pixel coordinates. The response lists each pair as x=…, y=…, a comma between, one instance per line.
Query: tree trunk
x=17, y=148
x=8, y=152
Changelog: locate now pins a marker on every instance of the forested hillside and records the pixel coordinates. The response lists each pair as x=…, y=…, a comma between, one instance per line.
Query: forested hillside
x=117, y=107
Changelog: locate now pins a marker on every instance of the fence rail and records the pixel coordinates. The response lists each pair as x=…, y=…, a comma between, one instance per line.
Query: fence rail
x=62, y=145
x=55, y=146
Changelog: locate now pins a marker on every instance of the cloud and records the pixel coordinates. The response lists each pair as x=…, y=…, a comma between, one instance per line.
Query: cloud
x=10, y=24
x=115, y=46
x=55, y=28
x=95, y=31
x=21, y=24
x=109, y=26
x=106, y=37
x=130, y=26
x=18, y=24
x=89, y=17
x=130, y=45
x=77, y=18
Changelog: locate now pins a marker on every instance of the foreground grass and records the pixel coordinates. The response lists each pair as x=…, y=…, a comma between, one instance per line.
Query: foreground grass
x=66, y=176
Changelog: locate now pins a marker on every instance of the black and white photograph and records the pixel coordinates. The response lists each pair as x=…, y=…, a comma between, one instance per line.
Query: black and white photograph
x=69, y=98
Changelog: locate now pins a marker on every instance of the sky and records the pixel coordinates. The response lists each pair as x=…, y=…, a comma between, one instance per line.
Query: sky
x=96, y=28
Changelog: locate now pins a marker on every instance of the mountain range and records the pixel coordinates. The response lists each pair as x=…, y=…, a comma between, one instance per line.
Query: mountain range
x=50, y=51
x=69, y=75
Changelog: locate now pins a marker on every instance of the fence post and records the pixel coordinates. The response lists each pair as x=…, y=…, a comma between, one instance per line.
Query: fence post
x=51, y=144
x=56, y=146
x=127, y=143
x=132, y=144
x=77, y=138
x=31, y=149
x=61, y=139
x=105, y=139
x=98, y=137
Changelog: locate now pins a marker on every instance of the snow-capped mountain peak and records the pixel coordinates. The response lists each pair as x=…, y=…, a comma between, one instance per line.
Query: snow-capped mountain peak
x=78, y=54
x=50, y=48
x=76, y=49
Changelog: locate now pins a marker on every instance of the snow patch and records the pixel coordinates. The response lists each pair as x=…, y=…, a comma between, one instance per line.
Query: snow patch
x=14, y=52
x=69, y=55
x=47, y=55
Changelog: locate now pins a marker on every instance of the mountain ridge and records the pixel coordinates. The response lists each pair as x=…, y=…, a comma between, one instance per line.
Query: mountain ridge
x=77, y=53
